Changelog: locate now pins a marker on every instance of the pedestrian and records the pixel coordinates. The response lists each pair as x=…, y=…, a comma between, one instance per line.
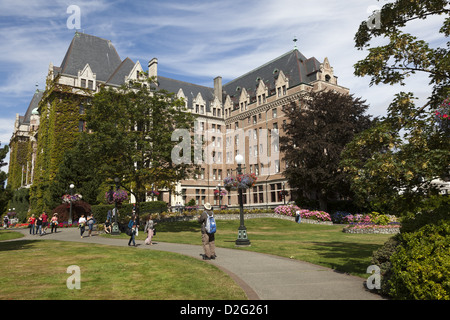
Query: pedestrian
x=208, y=239
x=39, y=224
x=82, y=225
x=90, y=223
x=44, y=222
x=54, y=222
x=107, y=226
x=31, y=223
x=149, y=226
x=132, y=230
x=5, y=221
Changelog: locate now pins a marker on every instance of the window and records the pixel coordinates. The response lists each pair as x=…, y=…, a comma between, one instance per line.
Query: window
x=81, y=125
x=91, y=84
x=274, y=113
x=83, y=83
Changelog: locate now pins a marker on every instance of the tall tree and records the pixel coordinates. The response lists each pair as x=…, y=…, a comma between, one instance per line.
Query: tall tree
x=405, y=54
x=393, y=164
x=316, y=134
x=132, y=135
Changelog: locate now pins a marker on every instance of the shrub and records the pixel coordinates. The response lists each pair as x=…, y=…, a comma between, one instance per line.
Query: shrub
x=421, y=265
x=287, y=210
x=382, y=258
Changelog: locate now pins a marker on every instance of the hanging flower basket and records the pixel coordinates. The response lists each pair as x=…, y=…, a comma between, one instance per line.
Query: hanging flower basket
x=117, y=196
x=70, y=198
x=242, y=181
x=442, y=116
x=153, y=193
x=220, y=192
x=11, y=214
x=230, y=183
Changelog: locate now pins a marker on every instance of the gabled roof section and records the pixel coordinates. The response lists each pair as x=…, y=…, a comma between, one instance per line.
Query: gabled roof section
x=295, y=66
x=122, y=71
x=190, y=90
x=99, y=53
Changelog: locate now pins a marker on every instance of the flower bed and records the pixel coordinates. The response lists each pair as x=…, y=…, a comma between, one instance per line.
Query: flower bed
x=372, y=228
x=307, y=215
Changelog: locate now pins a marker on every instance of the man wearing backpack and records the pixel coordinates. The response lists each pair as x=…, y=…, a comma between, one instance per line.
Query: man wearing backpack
x=205, y=219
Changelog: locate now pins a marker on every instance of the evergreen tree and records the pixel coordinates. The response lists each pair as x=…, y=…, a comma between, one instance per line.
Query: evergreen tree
x=316, y=134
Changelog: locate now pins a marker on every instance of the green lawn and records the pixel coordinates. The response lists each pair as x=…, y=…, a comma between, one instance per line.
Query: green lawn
x=37, y=270
x=319, y=244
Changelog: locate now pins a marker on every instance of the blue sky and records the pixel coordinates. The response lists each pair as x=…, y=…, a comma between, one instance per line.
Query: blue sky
x=194, y=41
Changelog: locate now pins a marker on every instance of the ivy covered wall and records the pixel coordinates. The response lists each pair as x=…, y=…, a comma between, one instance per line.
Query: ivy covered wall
x=60, y=118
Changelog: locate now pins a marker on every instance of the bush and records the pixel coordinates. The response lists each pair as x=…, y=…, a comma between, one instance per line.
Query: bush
x=382, y=258
x=421, y=266
x=100, y=212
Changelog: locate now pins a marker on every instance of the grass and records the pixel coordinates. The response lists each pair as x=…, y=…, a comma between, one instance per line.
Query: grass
x=319, y=244
x=37, y=270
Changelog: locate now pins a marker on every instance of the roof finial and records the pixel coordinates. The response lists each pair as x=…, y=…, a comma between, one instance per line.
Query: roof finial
x=295, y=42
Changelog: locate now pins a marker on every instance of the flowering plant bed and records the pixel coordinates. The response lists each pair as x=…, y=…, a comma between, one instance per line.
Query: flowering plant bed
x=372, y=228
x=291, y=210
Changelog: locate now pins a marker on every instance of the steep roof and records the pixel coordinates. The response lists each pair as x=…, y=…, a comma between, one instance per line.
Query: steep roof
x=99, y=53
x=33, y=105
x=123, y=70
x=190, y=90
x=295, y=66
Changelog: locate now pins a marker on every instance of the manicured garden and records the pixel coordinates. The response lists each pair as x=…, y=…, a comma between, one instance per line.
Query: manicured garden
x=324, y=245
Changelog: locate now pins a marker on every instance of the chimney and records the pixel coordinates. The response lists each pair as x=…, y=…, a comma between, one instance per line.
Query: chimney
x=218, y=88
x=153, y=68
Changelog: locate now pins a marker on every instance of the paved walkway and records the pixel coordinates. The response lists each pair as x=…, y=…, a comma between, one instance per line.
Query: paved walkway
x=261, y=276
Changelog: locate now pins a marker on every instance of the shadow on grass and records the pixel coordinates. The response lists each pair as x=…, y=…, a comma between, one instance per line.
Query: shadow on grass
x=16, y=245
x=346, y=257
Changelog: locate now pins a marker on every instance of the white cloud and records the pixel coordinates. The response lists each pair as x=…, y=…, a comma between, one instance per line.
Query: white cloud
x=197, y=40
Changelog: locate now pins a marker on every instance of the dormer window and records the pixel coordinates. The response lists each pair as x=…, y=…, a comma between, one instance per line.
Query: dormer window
x=83, y=83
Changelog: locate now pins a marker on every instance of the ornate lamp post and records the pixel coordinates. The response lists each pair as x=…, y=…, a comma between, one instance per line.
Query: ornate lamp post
x=220, y=195
x=242, y=239
x=70, y=210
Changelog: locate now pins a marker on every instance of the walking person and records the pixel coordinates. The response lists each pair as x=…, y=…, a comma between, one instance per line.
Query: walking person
x=54, y=222
x=132, y=230
x=82, y=225
x=31, y=223
x=44, y=222
x=90, y=223
x=149, y=226
x=39, y=225
x=5, y=221
x=208, y=239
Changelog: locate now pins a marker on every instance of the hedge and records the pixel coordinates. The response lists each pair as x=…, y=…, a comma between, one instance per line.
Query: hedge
x=100, y=212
